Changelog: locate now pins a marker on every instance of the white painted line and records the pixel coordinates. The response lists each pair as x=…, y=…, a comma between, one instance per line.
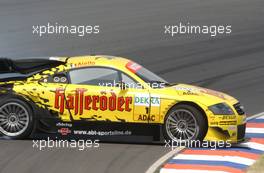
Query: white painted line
x=255, y=116
x=253, y=145
x=165, y=170
x=233, y=159
x=163, y=159
x=261, y=117
x=255, y=130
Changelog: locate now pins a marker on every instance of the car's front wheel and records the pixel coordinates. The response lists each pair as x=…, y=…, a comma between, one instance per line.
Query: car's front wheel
x=184, y=123
x=16, y=118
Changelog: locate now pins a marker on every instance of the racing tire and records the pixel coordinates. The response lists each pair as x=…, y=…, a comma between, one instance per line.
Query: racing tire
x=16, y=119
x=184, y=123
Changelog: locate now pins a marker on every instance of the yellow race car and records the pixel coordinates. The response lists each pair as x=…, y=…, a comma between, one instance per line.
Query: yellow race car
x=111, y=98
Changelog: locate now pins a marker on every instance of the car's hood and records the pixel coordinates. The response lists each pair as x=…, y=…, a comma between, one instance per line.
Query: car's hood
x=207, y=96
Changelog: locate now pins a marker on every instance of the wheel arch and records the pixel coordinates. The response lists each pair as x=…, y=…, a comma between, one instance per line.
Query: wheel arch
x=5, y=98
x=193, y=105
x=27, y=101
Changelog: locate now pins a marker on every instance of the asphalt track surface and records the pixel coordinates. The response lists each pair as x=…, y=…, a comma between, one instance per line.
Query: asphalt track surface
x=231, y=63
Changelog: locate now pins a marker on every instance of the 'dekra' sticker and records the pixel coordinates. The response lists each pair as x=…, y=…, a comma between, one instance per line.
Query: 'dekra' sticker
x=145, y=100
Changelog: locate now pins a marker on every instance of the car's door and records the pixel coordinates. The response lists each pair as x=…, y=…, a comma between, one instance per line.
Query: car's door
x=146, y=106
x=93, y=95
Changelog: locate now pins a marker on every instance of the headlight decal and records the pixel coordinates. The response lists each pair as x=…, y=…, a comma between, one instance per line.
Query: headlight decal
x=221, y=109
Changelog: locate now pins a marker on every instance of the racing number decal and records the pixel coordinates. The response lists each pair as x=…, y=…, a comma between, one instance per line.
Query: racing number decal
x=146, y=108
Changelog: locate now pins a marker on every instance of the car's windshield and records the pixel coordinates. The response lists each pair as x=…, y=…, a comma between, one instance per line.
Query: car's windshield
x=151, y=78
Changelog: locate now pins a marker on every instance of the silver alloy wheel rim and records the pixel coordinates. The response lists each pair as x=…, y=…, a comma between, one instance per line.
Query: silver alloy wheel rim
x=14, y=119
x=182, y=125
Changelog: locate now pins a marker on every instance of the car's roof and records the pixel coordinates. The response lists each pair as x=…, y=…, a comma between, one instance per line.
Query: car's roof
x=73, y=62
x=94, y=60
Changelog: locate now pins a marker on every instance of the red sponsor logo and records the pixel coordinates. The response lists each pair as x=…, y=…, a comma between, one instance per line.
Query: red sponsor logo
x=133, y=67
x=79, y=102
x=64, y=131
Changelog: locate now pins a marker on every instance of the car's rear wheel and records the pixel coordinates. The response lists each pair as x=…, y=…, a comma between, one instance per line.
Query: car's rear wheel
x=16, y=119
x=184, y=123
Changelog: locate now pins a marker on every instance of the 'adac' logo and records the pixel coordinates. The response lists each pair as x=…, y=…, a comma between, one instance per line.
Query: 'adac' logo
x=79, y=102
x=146, y=118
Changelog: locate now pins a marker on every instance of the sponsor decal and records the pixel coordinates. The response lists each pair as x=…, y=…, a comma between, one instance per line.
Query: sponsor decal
x=102, y=133
x=133, y=67
x=223, y=123
x=61, y=124
x=64, y=131
x=185, y=89
x=79, y=102
x=82, y=63
x=229, y=117
x=214, y=123
x=146, y=118
x=190, y=93
x=213, y=93
x=146, y=100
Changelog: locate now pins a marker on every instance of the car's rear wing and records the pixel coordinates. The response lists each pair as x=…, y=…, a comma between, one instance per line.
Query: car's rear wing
x=19, y=69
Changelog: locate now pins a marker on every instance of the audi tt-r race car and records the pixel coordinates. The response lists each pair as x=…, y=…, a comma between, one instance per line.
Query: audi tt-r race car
x=109, y=97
